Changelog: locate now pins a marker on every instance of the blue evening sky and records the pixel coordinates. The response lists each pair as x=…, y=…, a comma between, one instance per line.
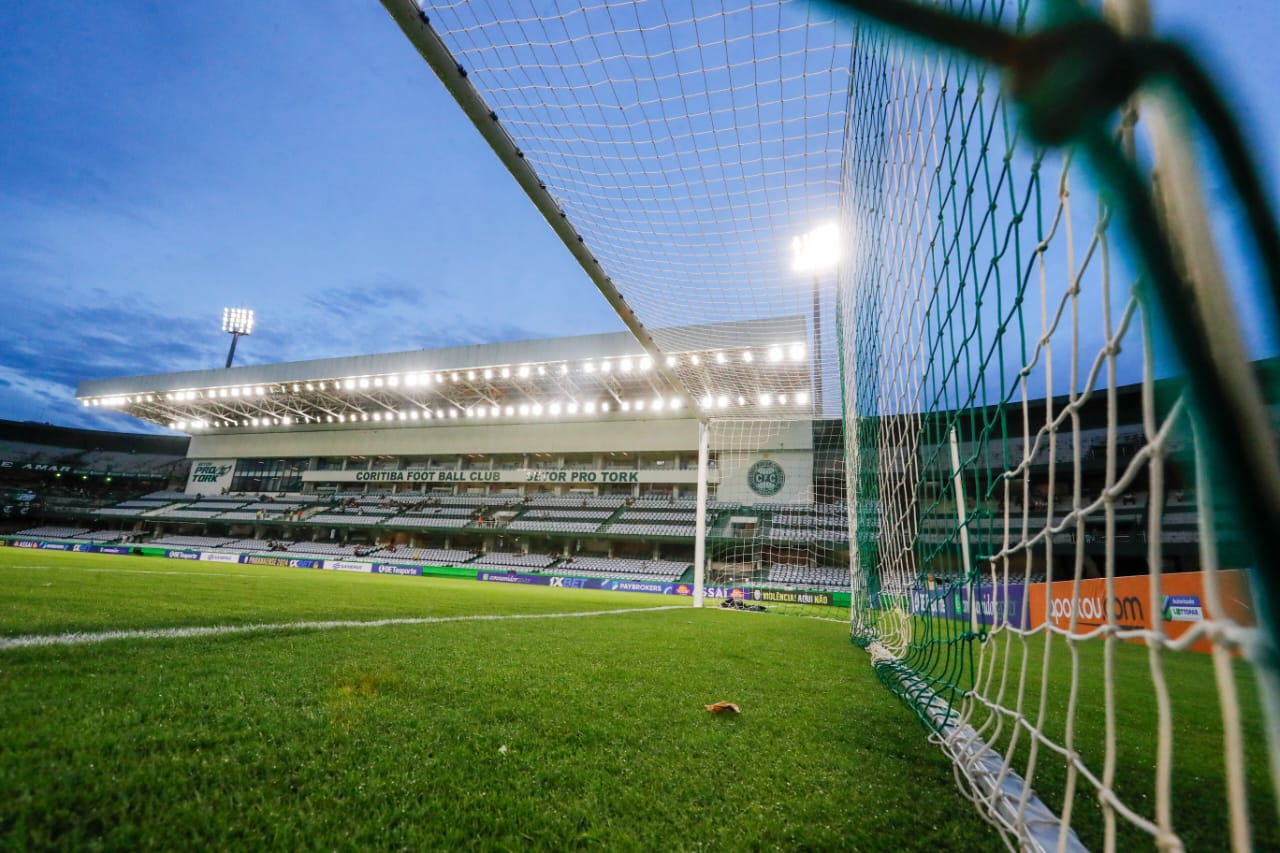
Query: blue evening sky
x=162, y=160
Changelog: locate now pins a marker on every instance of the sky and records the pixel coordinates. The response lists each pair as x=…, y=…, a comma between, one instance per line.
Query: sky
x=163, y=160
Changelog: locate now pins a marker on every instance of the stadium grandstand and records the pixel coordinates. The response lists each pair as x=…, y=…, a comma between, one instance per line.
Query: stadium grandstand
x=538, y=455
x=566, y=455
x=52, y=471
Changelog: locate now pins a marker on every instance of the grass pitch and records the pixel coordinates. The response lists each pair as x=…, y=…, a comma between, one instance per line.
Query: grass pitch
x=513, y=734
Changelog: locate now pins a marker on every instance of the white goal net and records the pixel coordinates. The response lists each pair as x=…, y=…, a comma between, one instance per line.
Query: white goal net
x=934, y=382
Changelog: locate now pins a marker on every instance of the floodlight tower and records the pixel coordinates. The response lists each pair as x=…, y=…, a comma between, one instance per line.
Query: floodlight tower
x=236, y=322
x=816, y=252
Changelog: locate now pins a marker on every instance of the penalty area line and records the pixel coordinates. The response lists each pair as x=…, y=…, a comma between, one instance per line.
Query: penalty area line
x=77, y=638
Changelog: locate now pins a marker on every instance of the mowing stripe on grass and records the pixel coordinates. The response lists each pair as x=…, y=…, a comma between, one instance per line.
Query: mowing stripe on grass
x=146, y=571
x=76, y=638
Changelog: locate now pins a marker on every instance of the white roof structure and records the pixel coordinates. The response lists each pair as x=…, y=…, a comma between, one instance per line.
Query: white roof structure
x=559, y=379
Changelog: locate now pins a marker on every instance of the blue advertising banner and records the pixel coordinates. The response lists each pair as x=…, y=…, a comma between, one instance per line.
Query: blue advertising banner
x=953, y=602
x=576, y=583
x=637, y=586
x=391, y=569
x=91, y=548
x=608, y=584
x=283, y=562
x=182, y=555
x=81, y=547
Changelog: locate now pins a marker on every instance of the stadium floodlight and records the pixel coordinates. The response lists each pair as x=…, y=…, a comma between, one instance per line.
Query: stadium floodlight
x=236, y=322
x=815, y=253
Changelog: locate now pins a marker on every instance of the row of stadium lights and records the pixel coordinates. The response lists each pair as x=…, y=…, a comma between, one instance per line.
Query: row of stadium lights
x=625, y=365
x=524, y=410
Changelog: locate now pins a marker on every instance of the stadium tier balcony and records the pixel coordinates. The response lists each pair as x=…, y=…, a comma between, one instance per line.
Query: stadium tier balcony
x=666, y=530
x=428, y=521
x=185, y=514
x=53, y=532
x=597, y=515
x=525, y=561
x=649, y=517
x=807, y=576
x=536, y=525
x=610, y=503
x=327, y=549
x=102, y=537
x=253, y=545
x=192, y=541
x=438, y=512
x=347, y=519
x=431, y=556
x=606, y=567
x=121, y=512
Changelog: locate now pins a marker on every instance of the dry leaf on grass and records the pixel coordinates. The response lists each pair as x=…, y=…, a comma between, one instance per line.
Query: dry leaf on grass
x=720, y=707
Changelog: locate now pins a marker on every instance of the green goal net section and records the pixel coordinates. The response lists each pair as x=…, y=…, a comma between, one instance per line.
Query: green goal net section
x=937, y=282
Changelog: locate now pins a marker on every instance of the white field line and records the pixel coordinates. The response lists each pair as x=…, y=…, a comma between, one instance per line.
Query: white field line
x=80, y=639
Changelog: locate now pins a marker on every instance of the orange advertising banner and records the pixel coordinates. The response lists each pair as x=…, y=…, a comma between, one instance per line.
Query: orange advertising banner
x=1179, y=604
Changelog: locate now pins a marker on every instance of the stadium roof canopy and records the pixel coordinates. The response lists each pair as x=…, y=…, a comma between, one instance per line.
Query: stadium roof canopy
x=558, y=379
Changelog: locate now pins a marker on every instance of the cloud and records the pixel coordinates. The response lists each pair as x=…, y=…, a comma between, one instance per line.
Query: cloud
x=34, y=398
x=376, y=301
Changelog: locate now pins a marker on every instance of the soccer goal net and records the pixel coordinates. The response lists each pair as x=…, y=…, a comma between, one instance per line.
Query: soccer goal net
x=938, y=289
